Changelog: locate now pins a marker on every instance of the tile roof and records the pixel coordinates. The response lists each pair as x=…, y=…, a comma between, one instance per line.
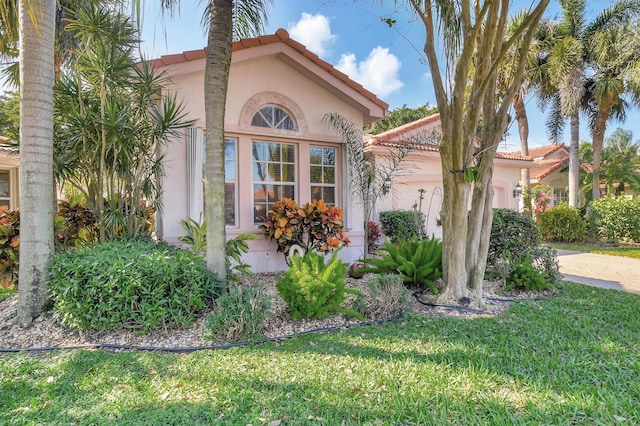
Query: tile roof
x=543, y=168
x=393, y=138
x=280, y=36
x=544, y=151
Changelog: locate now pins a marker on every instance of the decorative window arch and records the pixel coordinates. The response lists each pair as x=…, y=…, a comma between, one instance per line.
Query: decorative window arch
x=274, y=117
x=261, y=100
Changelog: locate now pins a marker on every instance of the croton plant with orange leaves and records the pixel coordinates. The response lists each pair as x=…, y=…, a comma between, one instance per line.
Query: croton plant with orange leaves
x=314, y=226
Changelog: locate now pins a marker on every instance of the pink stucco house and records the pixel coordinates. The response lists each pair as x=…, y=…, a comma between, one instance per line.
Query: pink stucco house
x=423, y=171
x=277, y=144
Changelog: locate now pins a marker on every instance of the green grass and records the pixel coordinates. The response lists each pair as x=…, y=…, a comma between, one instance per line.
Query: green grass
x=633, y=252
x=571, y=359
x=6, y=293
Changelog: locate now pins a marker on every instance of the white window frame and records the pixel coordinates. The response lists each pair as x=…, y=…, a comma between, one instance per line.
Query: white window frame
x=333, y=185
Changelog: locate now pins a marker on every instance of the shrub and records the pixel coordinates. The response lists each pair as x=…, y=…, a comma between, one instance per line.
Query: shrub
x=387, y=297
x=74, y=225
x=524, y=275
x=511, y=232
x=562, y=223
x=418, y=261
x=196, y=241
x=130, y=284
x=402, y=225
x=373, y=233
x=9, y=247
x=312, y=226
x=312, y=289
x=237, y=315
x=616, y=218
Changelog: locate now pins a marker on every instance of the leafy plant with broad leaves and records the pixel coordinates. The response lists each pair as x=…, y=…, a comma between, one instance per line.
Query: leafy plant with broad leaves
x=418, y=261
x=312, y=289
x=313, y=226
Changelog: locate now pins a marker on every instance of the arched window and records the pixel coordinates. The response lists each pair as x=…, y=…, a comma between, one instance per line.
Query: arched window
x=274, y=117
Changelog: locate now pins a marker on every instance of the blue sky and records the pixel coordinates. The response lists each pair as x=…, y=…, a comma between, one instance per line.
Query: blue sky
x=351, y=35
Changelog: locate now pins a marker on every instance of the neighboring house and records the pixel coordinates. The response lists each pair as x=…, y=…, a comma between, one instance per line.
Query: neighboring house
x=549, y=169
x=9, y=164
x=423, y=170
x=277, y=144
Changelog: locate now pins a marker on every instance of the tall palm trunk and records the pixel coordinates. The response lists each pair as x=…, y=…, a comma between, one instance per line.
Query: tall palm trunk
x=523, y=131
x=574, y=160
x=219, y=47
x=36, y=154
x=598, y=140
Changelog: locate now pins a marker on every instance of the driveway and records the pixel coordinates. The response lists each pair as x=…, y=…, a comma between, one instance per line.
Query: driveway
x=600, y=270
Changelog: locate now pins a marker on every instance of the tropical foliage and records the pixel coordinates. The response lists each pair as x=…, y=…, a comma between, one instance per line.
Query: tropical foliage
x=402, y=115
x=312, y=289
x=111, y=120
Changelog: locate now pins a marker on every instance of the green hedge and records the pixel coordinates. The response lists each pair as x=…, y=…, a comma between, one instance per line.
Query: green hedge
x=562, y=223
x=402, y=225
x=616, y=219
x=130, y=284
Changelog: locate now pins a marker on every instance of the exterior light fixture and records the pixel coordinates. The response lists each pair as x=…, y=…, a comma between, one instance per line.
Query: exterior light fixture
x=386, y=186
x=517, y=192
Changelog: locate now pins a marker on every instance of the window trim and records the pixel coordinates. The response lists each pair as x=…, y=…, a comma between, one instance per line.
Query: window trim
x=333, y=185
x=272, y=123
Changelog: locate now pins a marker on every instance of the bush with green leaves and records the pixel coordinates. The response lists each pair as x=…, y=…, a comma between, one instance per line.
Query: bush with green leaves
x=418, y=261
x=196, y=241
x=387, y=297
x=616, y=218
x=130, y=284
x=402, y=225
x=7, y=292
x=562, y=223
x=511, y=232
x=524, y=275
x=545, y=260
x=312, y=289
x=237, y=314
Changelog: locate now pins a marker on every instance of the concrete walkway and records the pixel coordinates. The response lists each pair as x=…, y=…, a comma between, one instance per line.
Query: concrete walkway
x=600, y=270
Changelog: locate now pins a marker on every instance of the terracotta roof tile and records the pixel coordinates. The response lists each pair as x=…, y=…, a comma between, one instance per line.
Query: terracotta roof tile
x=281, y=35
x=393, y=138
x=543, y=168
x=544, y=151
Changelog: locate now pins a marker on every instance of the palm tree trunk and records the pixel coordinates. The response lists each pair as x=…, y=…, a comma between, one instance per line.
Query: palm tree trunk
x=36, y=154
x=574, y=160
x=598, y=140
x=219, y=47
x=523, y=131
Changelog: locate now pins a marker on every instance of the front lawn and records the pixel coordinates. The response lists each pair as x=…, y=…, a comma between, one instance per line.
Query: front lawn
x=571, y=359
x=633, y=252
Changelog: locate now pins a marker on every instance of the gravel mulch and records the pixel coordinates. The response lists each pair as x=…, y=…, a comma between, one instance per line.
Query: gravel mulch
x=45, y=332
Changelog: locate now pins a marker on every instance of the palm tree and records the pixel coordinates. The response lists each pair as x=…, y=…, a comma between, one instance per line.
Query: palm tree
x=568, y=58
x=224, y=20
x=36, y=34
x=616, y=72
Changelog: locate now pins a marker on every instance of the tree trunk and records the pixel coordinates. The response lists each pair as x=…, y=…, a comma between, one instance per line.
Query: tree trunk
x=574, y=160
x=36, y=155
x=598, y=140
x=523, y=131
x=219, y=47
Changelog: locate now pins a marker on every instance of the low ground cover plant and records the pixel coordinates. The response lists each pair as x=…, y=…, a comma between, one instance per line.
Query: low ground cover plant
x=130, y=284
x=387, y=297
x=237, y=314
x=419, y=262
x=313, y=289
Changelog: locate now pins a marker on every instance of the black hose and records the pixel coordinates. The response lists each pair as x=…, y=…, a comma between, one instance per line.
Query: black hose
x=200, y=348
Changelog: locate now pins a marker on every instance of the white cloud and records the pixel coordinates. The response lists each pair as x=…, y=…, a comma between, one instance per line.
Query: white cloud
x=378, y=73
x=314, y=32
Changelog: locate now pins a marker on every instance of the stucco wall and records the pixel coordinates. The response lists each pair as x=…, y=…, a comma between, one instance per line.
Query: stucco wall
x=253, y=82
